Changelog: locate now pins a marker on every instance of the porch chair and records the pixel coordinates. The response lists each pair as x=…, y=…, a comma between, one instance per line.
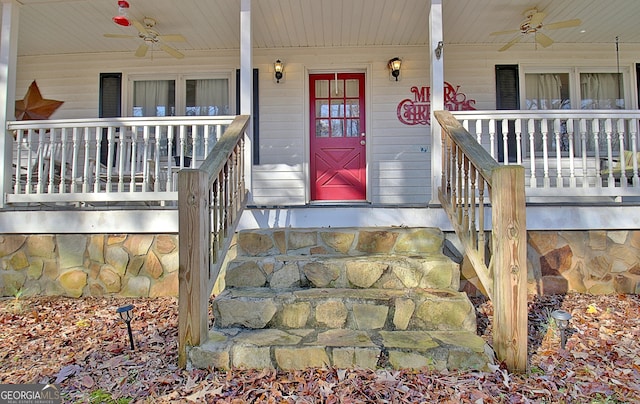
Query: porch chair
x=41, y=165
x=616, y=167
x=133, y=165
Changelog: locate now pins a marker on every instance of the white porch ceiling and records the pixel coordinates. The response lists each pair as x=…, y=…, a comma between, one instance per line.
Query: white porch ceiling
x=77, y=26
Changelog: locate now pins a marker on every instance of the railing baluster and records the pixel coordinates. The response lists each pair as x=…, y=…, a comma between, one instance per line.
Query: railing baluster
x=619, y=127
x=608, y=127
x=492, y=137
x=96, y=181
x=583, y=138
x=110, y=158
x=505, y=143
x=518, y=129
x=466, y=200
x=571, y=138
x=558, y=139
x=531, y=127
x=544, y=128
x=633, y=128
x=473, y=231
x=170, y=136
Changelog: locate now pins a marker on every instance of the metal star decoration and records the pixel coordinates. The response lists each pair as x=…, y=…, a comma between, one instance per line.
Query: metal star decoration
x=33, y=106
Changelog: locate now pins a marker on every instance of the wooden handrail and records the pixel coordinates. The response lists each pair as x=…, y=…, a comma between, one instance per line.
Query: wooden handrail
x=467, y=171
x=210, y=200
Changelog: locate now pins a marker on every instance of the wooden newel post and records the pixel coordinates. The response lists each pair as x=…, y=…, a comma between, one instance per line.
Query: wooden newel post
x=194, y=230
x=510, y=266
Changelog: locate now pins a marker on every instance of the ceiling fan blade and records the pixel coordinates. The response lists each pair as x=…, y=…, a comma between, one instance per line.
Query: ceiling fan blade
x=171, y=51
x=172, y=38
x=511, y=31
x=543, y=40
x=139, y=26
x=536, y=19
x=510, y=44
x=142, y=50
x=563, y=24
x=118, y=36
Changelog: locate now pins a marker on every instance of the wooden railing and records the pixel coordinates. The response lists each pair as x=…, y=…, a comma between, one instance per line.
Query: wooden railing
x=473, y=184
x=106, y=160
x=564, y=152
x=211, y=199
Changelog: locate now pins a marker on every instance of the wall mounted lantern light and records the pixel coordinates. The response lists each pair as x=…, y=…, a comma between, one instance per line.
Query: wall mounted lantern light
x=394, y=66
x=278, y=68
x=438, y=50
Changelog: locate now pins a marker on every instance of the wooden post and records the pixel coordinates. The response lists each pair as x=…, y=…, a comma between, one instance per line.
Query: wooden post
x=510, y=267
x=194, y=226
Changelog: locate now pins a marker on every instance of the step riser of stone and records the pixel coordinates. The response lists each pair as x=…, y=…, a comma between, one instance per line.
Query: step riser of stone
x=379, y=272
x=345, y=241
x=358, y=309
x=303, y=348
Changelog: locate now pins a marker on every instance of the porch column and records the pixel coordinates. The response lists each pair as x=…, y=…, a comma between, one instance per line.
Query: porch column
x=8, y=62
x=246, y=87
x=436, y=69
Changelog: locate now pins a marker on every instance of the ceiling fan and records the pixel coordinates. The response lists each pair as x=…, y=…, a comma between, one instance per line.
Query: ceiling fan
x=533, y=24
x=151, y=37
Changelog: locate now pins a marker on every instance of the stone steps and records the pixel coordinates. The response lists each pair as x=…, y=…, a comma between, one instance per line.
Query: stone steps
x=358, y=309
x=383, y=297
x=341, y=348
x=431, y=271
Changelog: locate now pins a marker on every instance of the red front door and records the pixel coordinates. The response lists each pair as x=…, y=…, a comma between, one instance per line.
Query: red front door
x=338, y=141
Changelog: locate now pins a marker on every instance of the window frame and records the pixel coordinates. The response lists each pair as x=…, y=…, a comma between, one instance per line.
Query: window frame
x=574, y=80
x=180, y=88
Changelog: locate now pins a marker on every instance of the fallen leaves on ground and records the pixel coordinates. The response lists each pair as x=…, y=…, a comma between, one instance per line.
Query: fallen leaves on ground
x=83, y=346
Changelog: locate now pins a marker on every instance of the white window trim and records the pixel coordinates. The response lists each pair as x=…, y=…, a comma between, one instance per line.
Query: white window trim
x=574, y=80
x=181, y=80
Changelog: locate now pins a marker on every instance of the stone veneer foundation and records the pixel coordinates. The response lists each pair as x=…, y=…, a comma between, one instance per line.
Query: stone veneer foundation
x=89, y=265
x=596, y=262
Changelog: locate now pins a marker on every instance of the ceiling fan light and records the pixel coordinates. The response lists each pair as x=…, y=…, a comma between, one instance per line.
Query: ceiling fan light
x=121, y=20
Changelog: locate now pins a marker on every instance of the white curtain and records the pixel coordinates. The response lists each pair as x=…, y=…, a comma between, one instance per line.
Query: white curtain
x=601, y=91
x=211, y=97
x=151, y=98
x=543, y=91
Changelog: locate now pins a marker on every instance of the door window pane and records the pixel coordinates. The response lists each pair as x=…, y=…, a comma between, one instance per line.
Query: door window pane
x=322, y=109
x=337, y=108
x=353, y=89
x=353, y=127
x=337, y=88
x=337, y=129
x=322, y=128
x=353, y=108
x=322, y=88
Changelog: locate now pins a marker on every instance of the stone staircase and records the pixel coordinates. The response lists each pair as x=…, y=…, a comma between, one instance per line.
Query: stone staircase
x=368, y=298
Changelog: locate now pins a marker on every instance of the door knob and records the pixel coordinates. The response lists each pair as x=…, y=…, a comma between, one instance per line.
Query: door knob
x=362, y=142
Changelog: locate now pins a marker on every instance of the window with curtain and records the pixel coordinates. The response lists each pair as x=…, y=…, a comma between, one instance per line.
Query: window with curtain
x=154, y=98
x=601, y=91
x=547, y=91
x=207, y=97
